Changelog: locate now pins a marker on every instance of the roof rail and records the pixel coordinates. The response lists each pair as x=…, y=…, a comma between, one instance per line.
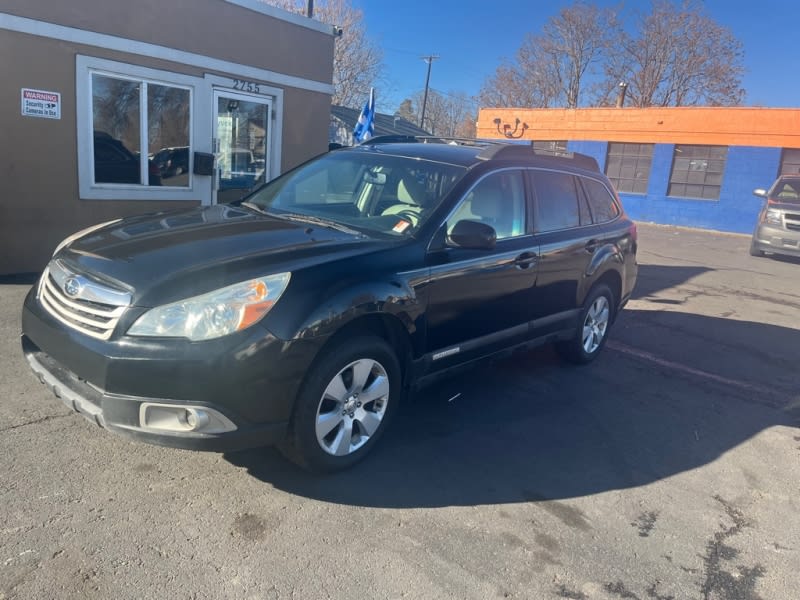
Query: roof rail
x=511, y=151
x=456, y=141
x=389, y=139
x=429, y=139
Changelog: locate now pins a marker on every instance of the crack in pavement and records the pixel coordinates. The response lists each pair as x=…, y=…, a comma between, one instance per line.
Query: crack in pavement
x=34, y=422
x=723, y=584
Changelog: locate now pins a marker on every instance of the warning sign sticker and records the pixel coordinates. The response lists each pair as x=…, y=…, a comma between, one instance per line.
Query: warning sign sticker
x=40, y=103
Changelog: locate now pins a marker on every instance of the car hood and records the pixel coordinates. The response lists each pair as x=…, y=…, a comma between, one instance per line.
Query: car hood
x=168, y=256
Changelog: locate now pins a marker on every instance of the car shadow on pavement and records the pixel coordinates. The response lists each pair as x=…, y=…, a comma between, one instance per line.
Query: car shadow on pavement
x=652, y=279
x=531, y=428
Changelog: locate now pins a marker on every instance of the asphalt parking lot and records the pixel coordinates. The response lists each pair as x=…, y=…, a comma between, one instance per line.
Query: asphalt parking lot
x=667, y=469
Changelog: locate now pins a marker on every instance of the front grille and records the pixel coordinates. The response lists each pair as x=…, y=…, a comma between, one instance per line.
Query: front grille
x=94, y=309
x=792, y=221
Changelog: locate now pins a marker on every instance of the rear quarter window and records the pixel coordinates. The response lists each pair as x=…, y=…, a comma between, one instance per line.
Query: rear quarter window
x=556, y=201
x=601, y=203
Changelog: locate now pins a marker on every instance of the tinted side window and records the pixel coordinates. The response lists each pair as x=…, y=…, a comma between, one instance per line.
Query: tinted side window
x=601, y=203
x=556, y=201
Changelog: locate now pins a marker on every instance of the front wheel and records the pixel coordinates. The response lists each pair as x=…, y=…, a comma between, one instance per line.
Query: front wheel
x=754, y=251
x=344, y=405
x=595, y=319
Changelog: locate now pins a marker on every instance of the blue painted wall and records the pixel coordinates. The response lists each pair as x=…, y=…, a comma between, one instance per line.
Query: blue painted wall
x=746, y=168
x=599, y=150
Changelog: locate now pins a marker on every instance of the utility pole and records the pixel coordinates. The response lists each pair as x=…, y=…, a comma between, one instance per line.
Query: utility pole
x=428, y=59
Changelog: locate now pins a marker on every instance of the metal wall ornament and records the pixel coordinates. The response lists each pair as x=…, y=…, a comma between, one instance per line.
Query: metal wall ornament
x=506, y=131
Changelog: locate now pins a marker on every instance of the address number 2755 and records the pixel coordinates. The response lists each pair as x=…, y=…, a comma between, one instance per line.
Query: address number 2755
x=246, y=86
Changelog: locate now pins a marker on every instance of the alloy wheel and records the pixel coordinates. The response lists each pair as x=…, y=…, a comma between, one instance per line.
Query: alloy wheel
x=595, y=324
x=352, y=407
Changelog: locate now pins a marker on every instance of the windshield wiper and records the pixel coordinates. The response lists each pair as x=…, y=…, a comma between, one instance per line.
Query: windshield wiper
x=315, y=221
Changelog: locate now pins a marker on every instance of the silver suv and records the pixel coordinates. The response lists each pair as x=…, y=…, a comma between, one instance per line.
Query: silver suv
x=778, y=228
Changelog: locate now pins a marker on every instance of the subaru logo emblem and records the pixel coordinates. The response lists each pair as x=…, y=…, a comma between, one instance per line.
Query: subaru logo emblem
x=72, y=286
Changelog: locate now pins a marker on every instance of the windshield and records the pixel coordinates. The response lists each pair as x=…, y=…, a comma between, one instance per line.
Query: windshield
x=370, y=192
x=786, y=190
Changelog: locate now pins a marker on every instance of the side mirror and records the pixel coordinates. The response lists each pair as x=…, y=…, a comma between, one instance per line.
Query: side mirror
x=760, y=192
x=473, y=235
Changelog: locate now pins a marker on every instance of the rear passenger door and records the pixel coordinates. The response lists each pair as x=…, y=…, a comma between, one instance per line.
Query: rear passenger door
x=565, y=236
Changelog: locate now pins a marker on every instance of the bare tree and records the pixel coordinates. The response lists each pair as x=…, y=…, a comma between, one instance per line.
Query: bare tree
x=573, y=44
x=521, y=84
x=551, y=68
x=673, y=55
x=357, y=60
x=679, y=56
x=446, y=114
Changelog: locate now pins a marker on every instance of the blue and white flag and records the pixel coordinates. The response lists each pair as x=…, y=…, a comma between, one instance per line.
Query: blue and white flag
x=365, y=128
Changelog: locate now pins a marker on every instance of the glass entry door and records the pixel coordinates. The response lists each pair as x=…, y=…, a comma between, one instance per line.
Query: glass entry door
x=242, y=136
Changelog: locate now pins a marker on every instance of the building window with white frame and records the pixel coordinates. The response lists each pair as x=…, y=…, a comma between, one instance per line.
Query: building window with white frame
x=141, y=132
x=137, y=131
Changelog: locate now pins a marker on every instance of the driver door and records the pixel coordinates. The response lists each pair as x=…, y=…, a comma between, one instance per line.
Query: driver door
x=482, y=300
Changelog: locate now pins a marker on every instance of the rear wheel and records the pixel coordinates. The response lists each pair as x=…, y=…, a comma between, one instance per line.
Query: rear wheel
x=595, y=319
x=344, y=405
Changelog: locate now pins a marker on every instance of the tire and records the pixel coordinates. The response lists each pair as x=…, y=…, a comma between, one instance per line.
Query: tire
x=344, y=405
x=754, y=251
x=591, y=334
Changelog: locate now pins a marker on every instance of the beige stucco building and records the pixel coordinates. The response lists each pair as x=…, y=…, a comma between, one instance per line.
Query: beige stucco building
x=114, y=108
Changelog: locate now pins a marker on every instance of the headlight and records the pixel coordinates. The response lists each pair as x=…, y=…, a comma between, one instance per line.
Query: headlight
x=773, y=217
x=216, y=313
x=81, y=233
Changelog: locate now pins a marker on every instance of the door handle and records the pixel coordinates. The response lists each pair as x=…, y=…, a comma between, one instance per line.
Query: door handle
x=525, y=260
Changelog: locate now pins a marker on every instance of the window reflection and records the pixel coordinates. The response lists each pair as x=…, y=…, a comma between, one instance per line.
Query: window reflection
x=168, y=133
x=115, y=112
x=242, y=132
x=556, y=201
x=116, y=118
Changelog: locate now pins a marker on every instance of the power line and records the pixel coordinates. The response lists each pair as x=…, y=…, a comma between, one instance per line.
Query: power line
x=466, y=98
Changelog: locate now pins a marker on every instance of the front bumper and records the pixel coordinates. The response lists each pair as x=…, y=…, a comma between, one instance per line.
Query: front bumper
x=248, y=380
x=776, y=239
x=120, y=414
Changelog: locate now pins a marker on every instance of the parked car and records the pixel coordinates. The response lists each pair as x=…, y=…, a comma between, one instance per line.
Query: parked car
x=114, y=163
x=778, y=227
x=302, y=315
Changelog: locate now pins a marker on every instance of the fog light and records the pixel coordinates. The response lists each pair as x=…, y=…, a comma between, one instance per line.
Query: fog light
x=196, y=419
x=183, y=419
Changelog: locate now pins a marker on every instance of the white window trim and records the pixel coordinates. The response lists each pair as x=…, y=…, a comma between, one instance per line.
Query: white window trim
x=85, y=67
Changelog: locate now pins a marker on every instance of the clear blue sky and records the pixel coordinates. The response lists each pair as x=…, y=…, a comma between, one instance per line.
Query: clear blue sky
x=473, y=36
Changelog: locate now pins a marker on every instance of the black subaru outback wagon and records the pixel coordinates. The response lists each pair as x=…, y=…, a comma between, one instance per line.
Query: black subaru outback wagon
x=302, y=314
